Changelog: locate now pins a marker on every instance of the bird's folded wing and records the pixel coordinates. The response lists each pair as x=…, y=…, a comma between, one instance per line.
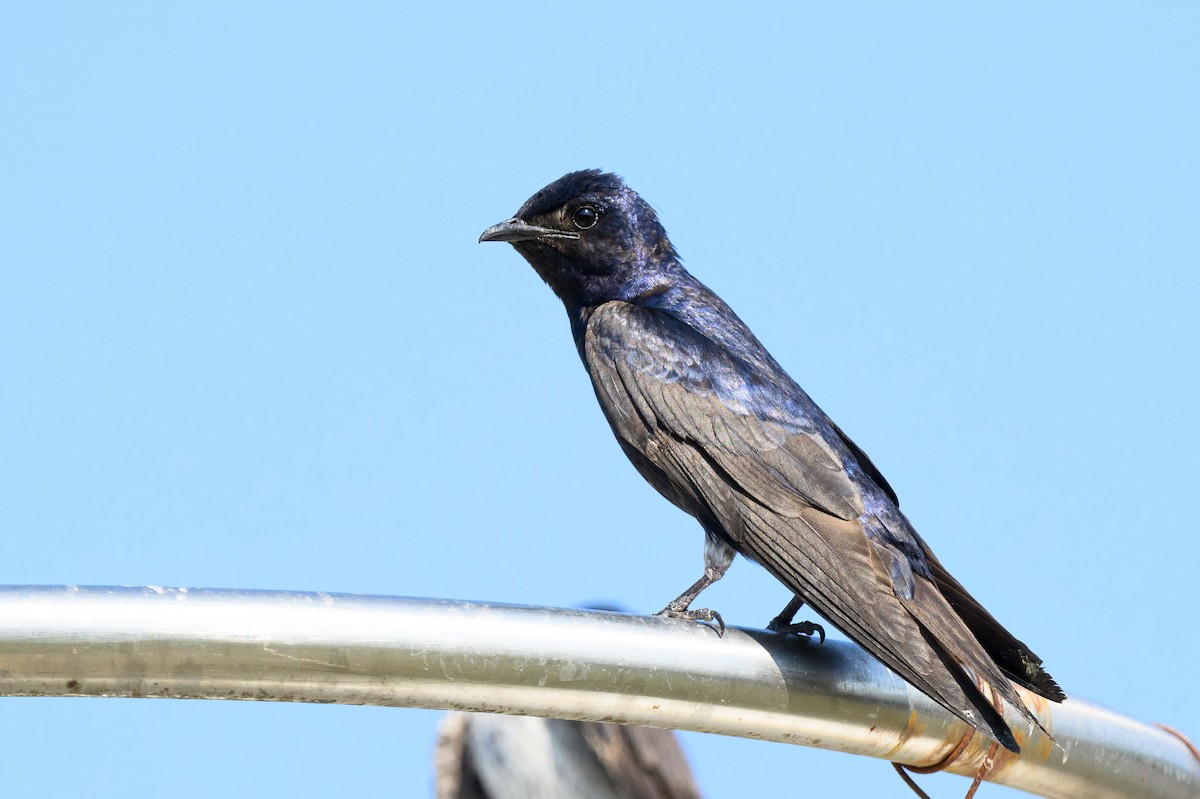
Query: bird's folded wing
x=656, y=376
x=757, y=459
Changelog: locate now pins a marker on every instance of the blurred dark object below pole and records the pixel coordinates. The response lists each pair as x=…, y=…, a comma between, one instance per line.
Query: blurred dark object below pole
x=486, y=756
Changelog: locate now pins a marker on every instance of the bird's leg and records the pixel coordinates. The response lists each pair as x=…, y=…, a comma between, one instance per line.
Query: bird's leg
x=678, y=609
x=786, y=615
x=717, y=557
x=784, y=625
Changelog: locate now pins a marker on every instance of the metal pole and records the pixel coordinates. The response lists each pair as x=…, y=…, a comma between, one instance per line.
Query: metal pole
x=570, y=664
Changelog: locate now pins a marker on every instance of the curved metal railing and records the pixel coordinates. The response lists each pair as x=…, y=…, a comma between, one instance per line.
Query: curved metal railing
x=571, y=664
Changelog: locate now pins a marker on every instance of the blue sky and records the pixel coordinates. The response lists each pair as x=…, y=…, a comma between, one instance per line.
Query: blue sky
x=247, y=338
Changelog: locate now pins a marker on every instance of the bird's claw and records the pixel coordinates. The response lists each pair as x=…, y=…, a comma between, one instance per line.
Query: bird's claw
x=702, y=615
x=806, y=628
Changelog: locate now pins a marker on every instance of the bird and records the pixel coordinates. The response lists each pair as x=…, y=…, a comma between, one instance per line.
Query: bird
x=714, y=423
x=486, y=756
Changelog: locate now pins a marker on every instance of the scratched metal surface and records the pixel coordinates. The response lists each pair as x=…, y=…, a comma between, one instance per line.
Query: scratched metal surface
x=572, y=664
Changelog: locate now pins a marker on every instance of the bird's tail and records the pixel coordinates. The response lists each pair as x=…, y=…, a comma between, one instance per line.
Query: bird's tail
x=1013, y=657
x=835, y=568
x=954, y=641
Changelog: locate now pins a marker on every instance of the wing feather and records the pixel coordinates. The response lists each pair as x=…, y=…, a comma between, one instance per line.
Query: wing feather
x=664, y=368
x=745, y=455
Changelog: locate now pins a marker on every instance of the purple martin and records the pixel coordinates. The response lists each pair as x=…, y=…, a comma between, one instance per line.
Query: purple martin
x=716, y=425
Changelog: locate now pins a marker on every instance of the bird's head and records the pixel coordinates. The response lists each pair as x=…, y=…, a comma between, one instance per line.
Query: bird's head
x=592, y=239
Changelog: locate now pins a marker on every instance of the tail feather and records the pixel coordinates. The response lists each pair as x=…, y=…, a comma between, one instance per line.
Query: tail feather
x=840, y=574
x=1013, y=657
x=956, y=644
x=983, y=705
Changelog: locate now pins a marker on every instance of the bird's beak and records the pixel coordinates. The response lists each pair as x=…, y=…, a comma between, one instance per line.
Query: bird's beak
x=513, y=230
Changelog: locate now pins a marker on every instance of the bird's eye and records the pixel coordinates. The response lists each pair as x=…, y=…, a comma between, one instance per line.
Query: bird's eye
x=584, y=217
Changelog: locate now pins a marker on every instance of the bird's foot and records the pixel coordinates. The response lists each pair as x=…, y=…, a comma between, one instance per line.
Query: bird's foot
x=671, y=611
x=785, y=627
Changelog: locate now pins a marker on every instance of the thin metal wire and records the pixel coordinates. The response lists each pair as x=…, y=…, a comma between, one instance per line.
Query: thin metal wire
x=988, y=760
x=571, y=664
x=1186, y=741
